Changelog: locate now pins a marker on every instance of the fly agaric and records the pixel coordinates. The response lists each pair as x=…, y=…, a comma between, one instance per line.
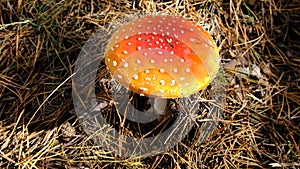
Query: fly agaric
x=162, y=56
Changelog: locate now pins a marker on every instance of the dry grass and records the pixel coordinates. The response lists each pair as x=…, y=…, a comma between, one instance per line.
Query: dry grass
x=259, y=44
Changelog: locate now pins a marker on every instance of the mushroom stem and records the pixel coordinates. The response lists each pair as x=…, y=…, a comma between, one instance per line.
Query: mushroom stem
x=160, y=105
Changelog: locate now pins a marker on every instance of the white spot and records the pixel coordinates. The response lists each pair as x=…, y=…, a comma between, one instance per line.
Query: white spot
x=158, y=26
x=160, y=52
x=139, y=38
x=169, y=40
x=116, y=46
x=161, y=70
x=120, y=77
x=205, y=45
x=148, y=28
x=154, y=33
x=187, y=84
x=111, y=48
x=166, y=60
x=182, y=78
x=168, y=33
x=181, y=60
x=175, y=36
x=108, y=59
x=124, y=52
x=173, y=29
x=126, y=37
x=143, y=89
x=145, y=53
x=161, y=82
x=147, y=71
x=135, y=77
x=125, y=65
x=161, y=90
x=148, y=78
x=172, y=82
x=123, y=30
x=169, y=24
x=187, y=70
x=171, y=60
x=157, y=42
x=117, y=37
x=129, y=43
x=115, y=63
x=172, y=52
x=152, y=61
x=175, y=70
x=192, y=39
x=149, y=21
x=138, y=61
x=139, y=48
x=139, y=26
x=192, y=30
x=161, y=40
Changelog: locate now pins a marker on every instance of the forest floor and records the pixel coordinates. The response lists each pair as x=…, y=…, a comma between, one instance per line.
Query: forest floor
x=260, y=49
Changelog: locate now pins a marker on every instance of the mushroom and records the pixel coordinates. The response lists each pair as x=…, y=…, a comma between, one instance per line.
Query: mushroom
x=162, y=56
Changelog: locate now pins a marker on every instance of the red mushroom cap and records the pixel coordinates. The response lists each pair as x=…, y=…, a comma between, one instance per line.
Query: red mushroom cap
x=162, y=56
